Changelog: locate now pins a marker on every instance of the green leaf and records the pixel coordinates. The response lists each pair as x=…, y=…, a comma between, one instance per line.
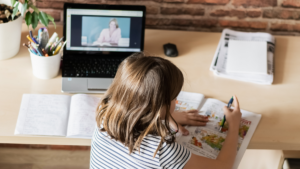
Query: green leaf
x=43, y=18
x=28, y=18
x=15, y=10
x=34, y=19
x=24, y=8
x=52, y=20
x=34, y=8
x=13, y=2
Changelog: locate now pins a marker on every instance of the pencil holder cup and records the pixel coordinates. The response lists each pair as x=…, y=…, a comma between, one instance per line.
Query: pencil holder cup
x=45, y=67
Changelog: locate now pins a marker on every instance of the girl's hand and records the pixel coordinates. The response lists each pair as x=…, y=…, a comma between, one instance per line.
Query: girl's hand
x=233, y=117
x=189, y=117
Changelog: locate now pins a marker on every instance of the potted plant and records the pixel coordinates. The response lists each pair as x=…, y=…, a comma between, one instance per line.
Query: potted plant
x=31, y=13
x=10, y=32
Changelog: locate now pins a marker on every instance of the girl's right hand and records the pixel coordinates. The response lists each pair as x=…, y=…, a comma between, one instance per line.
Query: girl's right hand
x=233, y=117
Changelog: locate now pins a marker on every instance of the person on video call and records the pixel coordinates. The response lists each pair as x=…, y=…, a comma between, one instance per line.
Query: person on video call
x=110, y=35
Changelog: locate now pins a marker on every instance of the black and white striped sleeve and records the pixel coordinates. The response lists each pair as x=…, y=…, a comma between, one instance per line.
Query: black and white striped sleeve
x=173, y=155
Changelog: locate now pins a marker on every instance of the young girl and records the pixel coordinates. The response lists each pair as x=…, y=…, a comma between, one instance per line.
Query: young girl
x=136, y=122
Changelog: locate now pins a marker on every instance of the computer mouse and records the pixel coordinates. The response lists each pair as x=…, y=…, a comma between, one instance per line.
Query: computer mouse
x=170, y=50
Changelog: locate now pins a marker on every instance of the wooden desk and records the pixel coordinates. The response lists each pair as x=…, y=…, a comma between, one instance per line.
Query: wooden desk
x=279, y=103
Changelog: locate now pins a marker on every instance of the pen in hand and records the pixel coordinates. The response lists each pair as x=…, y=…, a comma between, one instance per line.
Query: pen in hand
x=224, y=119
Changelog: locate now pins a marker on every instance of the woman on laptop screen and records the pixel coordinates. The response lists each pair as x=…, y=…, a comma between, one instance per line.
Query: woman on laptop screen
x=111, y=35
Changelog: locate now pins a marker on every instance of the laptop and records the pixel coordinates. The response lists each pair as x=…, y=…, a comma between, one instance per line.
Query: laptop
x=99, y=38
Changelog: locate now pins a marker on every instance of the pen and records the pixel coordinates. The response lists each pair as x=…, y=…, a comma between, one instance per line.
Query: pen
x=51, y=41
x=24, y=44
x=62, y=47
x=37, y=48
x=31, y=36
x=60, y=40
x=33, y=50
x=45, y=53
x=43, y=37
x=30, y=39
x=40, y=51
x=40, y=34
x=57, y=49
x=224, y=119
x=53, y=46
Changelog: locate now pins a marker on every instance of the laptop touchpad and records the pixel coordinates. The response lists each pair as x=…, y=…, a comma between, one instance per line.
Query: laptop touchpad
x=96, y=83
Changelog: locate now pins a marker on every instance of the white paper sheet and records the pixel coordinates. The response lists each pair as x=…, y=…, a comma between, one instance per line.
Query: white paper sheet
x=218, y=65
x=43, y=115
x=82, y=120
x=247, y=57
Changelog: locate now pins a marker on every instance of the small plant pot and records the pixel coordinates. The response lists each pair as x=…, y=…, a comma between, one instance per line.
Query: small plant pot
x=45, y=67
x=10, y=36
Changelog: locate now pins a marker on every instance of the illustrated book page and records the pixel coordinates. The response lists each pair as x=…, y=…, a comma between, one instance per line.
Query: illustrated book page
x=189, y=101
x=207, y=140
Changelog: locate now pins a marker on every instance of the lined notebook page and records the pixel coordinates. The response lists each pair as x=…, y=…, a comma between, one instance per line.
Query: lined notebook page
x=42, y=114
x=82, y=116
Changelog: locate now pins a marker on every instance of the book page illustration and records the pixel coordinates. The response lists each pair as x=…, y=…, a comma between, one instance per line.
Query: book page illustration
x=207, y=140
x=188, y=101
x=214, y=110
x=181, y=105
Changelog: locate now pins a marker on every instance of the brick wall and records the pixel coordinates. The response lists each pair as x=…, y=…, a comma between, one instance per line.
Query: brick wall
x=275, y=16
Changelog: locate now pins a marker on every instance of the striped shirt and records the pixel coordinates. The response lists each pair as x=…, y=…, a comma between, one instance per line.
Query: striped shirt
x=109, y=153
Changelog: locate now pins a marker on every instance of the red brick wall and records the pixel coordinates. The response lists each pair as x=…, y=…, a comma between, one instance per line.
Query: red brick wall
x=275, y=16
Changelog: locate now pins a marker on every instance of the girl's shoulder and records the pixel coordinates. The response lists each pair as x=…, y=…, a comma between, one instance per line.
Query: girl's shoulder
x=152, y=138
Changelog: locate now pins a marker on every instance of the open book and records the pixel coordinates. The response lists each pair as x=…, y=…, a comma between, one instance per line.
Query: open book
x=57, y=115
x=207, y=140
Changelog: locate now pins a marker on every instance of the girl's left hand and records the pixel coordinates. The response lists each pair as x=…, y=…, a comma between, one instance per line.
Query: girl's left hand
x=189, y=117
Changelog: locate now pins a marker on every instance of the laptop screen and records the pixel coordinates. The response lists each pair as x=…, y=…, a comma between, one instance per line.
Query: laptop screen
x=104, y=30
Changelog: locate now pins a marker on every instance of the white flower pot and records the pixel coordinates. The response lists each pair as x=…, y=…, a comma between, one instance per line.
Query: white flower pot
x=10, y=36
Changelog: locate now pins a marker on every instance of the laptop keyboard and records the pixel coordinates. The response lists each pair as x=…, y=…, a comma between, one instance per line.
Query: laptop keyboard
x=91, y=67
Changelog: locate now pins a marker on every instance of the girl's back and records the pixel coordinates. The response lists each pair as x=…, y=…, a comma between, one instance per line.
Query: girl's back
x=108, y=153
x=134, y=119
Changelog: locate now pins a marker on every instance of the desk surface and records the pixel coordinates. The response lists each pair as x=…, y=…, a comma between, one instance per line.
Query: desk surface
x=279, y=103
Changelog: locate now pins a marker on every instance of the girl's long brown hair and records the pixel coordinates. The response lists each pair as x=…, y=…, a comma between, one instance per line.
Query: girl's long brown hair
x=138, y=101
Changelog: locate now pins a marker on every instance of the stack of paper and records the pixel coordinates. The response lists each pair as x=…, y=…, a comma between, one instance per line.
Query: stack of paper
x=245, y=57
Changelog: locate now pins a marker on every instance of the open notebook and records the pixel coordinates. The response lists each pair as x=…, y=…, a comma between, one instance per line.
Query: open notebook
x=57, y=115
x=206, y=140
